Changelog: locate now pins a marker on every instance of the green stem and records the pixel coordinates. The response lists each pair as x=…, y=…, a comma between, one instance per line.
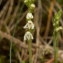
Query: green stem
x=30, y=50
x=11, y=45
x=55, y=44
x=10, y=52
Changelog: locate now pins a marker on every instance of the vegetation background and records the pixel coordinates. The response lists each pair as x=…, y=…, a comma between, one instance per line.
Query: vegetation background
x=13, y=18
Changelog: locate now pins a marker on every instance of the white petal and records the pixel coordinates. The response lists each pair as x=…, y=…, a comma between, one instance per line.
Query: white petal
x=28, y=36
x=29, y=25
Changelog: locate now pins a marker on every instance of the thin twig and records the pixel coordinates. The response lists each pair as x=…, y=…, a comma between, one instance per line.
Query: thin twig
x=49, y=17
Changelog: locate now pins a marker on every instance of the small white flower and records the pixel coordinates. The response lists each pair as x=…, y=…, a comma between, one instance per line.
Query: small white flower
x=54, y=24
x=28, y=36
x=25, y=1
x=29, y=16
x=29, y=25
x=57, y=22
x=59, y=28
x=32, y=6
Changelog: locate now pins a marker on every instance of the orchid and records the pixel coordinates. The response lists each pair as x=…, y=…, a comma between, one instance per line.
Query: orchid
x=28, y=36
x=29, y=25
x=29, y=16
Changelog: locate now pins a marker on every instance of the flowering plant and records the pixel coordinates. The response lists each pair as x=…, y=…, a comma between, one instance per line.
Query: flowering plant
x=29, y=26
x=56, y=26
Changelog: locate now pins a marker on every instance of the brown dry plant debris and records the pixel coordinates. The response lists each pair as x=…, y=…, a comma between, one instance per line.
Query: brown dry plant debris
x=12, y=16
x=49, y=17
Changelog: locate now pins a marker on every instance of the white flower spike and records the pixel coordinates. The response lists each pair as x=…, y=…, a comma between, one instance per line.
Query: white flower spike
x=29, y=25
x=29, y=16
x=28, y=36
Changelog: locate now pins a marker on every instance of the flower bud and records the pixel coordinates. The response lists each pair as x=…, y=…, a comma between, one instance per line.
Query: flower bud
x=32, y=6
